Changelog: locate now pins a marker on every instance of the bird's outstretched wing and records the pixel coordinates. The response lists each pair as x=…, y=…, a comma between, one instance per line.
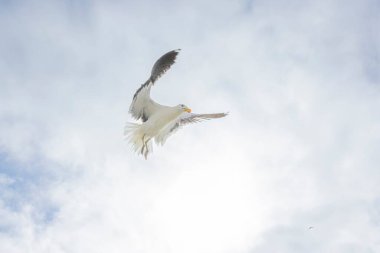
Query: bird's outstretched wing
x=188, y=118
x=163, y=64
x=142, y=105
x=184, y=119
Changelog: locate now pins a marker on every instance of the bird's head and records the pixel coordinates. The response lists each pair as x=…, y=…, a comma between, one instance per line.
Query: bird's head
x=184, y=108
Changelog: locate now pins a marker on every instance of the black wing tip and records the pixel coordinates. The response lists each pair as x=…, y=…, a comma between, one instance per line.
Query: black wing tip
x=163, y=64
x=223, y=114
x=174, y=52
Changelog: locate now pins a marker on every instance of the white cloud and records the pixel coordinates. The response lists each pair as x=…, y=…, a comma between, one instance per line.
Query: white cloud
x=298, y=149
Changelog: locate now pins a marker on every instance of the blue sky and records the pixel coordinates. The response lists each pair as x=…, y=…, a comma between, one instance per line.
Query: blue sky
x=298, y=149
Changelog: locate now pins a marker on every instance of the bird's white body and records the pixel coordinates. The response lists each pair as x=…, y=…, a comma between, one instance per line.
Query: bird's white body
x=158, y=126
x=159, y=121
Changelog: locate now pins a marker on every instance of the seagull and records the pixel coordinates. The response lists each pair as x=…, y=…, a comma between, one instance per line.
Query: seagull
x=158, y=121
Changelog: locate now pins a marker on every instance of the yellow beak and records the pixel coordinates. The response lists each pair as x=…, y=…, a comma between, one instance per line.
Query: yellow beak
x=188, y=110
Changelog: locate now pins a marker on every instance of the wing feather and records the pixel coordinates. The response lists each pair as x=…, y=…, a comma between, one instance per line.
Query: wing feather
x=184, y=119
x=142, y=106
x=194, y=118
x=163, y=64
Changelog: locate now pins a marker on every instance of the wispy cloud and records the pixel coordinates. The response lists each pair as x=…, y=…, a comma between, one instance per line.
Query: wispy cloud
x=298, y=149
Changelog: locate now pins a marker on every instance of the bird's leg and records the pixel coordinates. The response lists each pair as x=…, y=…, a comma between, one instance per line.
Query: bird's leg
x=143, y=147
x=146, y=154
x=146, y=150
x=146, y=143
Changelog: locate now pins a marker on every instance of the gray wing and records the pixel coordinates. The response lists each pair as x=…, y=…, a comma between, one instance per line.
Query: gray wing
x=194, y=118
x=184, y=119
x=189, y=118
x=142, y=106
x=163, y=64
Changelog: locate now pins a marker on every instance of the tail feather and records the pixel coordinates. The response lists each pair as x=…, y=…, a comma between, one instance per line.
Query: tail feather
x=136, y=137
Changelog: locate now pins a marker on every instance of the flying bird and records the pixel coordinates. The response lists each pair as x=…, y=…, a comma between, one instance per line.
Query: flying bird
x=158, y=121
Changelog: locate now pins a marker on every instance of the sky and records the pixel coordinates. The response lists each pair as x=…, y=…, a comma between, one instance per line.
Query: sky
x=293, y=168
